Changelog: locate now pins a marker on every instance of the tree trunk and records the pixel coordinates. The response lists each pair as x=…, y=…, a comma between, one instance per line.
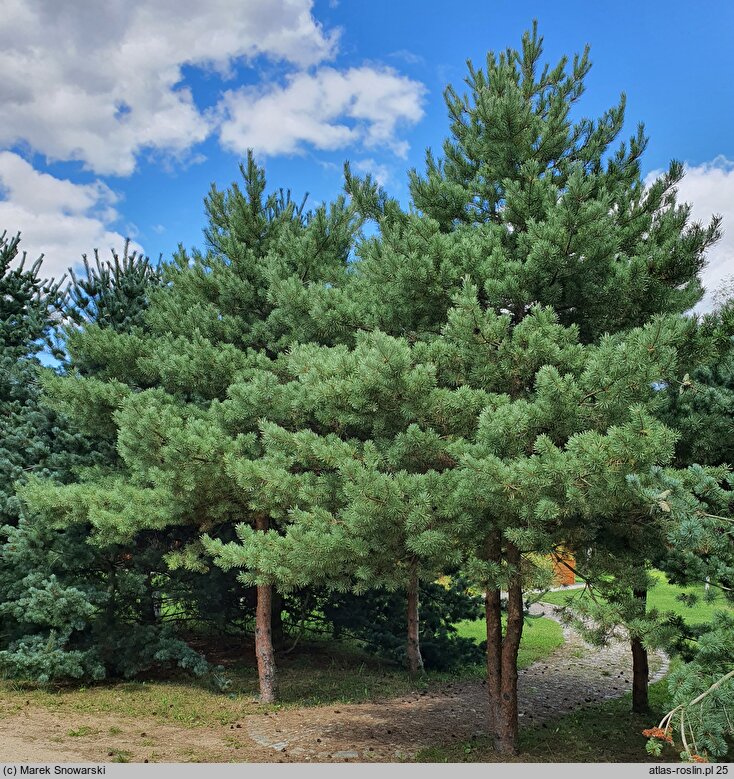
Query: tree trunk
x=263, y=635
x=493, y=612
x=506, y=733
x=640, y=667
x=415, y=661
x=493, y=609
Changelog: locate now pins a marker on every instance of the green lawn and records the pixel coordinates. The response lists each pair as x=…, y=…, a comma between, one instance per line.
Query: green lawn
x=539, y=638
x=664, y=597
x=320, y=672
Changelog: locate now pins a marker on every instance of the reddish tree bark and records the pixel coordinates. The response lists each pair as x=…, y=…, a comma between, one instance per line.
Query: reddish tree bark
x=502, y=652
x=493, y=612
x=263, y=634
x=506, y=738
x=640, y=668
x=415, y=661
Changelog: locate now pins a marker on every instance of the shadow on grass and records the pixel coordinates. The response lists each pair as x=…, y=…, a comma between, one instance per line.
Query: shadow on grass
x=318, y=672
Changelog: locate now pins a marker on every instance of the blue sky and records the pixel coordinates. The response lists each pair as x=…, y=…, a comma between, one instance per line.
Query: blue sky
x=118, y=116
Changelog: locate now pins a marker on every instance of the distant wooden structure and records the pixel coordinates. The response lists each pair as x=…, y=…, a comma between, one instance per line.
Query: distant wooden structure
x=562, y=573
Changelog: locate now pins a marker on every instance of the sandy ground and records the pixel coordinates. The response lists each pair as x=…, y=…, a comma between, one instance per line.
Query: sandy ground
x=39, y=735
x=573, y=677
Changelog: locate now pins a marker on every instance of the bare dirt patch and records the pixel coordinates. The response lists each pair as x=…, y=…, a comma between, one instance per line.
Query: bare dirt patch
x=38, y=735
x=574, y=677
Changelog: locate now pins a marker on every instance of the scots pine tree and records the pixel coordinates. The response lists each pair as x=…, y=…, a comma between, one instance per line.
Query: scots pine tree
x=701, y=409
x=182, y=396
x=618, y=565
x=538, y=211
x=356, y=476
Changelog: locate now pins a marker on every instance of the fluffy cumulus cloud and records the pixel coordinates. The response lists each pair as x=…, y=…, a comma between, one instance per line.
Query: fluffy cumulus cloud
x=327, y=109
x=709, y=188
x=99, y=82
x=57, y=218
x=103, y=83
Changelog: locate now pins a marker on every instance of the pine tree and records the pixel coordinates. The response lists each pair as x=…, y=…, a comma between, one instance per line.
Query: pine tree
x=534, y=463
x=701, y=409
x=535, y=209
x=182, y=397
x=617, y=561
x=376, y=619
x=587, y=237
x=357, y=470
x=508, y=336
x=701, y=549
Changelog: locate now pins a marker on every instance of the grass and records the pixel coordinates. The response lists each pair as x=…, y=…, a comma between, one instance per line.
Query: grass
x=84, y=730
x=540, y=637
x=325, y=673
x=664, y=597
x=604, y=733
x=120, y=756
x=321, y=673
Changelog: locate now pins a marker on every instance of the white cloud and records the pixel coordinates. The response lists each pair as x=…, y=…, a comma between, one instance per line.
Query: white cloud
x=99, y=82
x=709, y=188
x=328, y=109
x=379, y=172
x=56, y=217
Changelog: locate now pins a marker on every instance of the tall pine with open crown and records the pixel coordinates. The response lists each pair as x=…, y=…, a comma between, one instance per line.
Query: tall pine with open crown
x=535, y=209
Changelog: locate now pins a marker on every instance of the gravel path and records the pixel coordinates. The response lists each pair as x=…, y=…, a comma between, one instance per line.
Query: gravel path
x=574, y=676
